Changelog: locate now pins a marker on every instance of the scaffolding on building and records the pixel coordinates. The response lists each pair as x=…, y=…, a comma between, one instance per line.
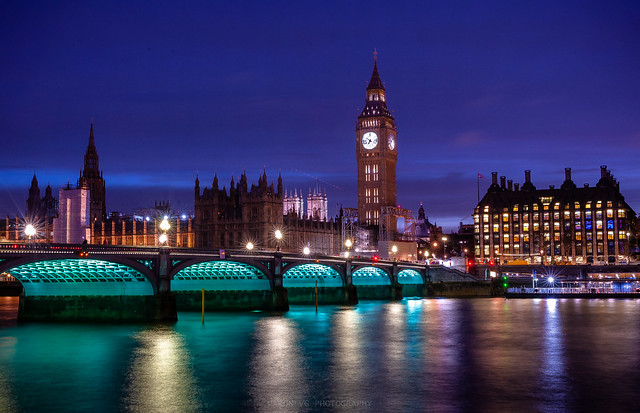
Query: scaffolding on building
x=397, y=224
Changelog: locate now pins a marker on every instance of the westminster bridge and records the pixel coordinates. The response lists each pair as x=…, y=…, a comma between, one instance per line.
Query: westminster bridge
x=111, y=283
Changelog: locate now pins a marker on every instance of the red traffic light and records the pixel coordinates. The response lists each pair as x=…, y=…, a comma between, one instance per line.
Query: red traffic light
x=492, y=263
x=376, y=258
x=470, y=263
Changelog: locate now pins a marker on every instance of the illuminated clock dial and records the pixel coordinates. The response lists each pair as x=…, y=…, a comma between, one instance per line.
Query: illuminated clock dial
x=369, y=140
x=392, y=142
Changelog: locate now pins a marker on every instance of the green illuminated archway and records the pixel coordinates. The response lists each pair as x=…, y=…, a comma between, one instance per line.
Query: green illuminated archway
x=409, y=276
x=370, y=276
x=220, y=275
x=81, y=277
x=306, y=275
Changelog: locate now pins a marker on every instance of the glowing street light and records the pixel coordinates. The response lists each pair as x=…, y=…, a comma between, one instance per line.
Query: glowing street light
x=29, y=231
x=306, y=251
x=348, y=243
x=278, y=235
x=164, y=226
x=249, y=246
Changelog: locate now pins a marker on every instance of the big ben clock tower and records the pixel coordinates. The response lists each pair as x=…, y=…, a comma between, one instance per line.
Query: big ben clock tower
x=376, y=153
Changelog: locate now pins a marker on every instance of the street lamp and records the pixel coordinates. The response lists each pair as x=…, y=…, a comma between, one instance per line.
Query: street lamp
x=394, y=250
x=348, y=244
x=306, y=251
x=164, y=226
x=444, y=247
x=278, y=235
x=249, y=246
x=29, y=231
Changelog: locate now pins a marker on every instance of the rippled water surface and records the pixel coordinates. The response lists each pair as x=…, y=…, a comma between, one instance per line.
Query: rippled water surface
x=443, y=355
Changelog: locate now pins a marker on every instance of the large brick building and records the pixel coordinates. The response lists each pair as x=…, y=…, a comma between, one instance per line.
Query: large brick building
x=566, y=224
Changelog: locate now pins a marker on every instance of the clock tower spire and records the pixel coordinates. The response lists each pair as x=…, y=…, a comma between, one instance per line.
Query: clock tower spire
x=376, y=152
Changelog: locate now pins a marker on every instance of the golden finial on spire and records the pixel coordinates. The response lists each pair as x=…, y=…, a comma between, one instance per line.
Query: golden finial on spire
x=375, y=55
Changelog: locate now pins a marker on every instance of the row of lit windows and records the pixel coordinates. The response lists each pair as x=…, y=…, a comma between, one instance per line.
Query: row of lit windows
x=556, y=206
x=368, y=197
x=556, y=236
x=609, y=225
x=371, y=173
x=372, y=216
x=546, y=216
x=370, y=123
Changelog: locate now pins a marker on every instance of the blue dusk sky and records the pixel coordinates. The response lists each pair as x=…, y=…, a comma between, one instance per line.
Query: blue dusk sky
x=177, y=89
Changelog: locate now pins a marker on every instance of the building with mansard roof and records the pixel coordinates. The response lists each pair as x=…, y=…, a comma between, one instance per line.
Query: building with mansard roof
x=569, y=224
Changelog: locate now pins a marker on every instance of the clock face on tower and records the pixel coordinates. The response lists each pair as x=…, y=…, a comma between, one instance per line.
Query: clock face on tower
x=392, y=142
x=369, y=140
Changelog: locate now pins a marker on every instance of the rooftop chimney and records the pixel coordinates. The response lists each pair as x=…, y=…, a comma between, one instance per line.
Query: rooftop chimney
x=502, y=178
x=567, y=174
x=516, y=187
x=527, y=175
x=494, y=178
x=510, y=184
x=603, y=171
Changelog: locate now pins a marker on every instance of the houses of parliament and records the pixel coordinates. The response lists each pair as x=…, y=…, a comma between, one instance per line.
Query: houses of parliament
x=229, y=218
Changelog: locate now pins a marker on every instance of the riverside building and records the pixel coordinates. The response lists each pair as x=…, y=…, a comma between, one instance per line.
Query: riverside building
x=554, y=225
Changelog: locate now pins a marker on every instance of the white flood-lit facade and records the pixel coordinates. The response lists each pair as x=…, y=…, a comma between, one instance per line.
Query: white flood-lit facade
x=72, y=225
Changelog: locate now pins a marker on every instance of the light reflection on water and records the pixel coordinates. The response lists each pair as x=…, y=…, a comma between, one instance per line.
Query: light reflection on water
x=160, y=375
x=444, y=355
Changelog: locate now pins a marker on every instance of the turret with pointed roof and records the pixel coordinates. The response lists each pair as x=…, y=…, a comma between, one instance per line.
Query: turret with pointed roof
x=91, y=178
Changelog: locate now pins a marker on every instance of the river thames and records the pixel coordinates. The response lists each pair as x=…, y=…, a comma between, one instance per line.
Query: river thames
x=440, y=355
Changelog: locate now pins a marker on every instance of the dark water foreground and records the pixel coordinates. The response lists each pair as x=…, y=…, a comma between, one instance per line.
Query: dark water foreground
x=444, y=355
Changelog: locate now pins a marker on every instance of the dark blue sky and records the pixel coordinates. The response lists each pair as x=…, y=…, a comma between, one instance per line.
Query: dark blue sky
x=179, y=88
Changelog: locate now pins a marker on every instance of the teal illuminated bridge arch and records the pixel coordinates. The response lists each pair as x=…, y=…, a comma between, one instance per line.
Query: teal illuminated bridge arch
x=410, y=276
x=80, y=276
x=370, y=276
x=306, y=275
x=220, y=275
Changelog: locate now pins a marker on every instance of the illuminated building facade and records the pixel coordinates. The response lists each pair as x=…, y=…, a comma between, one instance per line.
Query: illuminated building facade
x=376, y=153
x=555, y=225
x=72, y=224
x=138, y=231
x=317, y=205
x=232, y=219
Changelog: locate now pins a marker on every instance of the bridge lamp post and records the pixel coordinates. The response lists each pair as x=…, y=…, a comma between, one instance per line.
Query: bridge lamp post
x=306, y=251
x=394, y=250
x=29, y=231
x=348, y=244
x=278, y=235
x=164, y=226
x=444, y=247
x=249, y=246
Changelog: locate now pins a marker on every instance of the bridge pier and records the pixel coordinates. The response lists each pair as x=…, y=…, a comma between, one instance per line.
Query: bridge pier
x=350, y=290
x=396, y=287
x=280, y=297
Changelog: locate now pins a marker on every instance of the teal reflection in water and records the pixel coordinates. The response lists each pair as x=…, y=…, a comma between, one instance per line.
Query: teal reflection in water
x=414, y=355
